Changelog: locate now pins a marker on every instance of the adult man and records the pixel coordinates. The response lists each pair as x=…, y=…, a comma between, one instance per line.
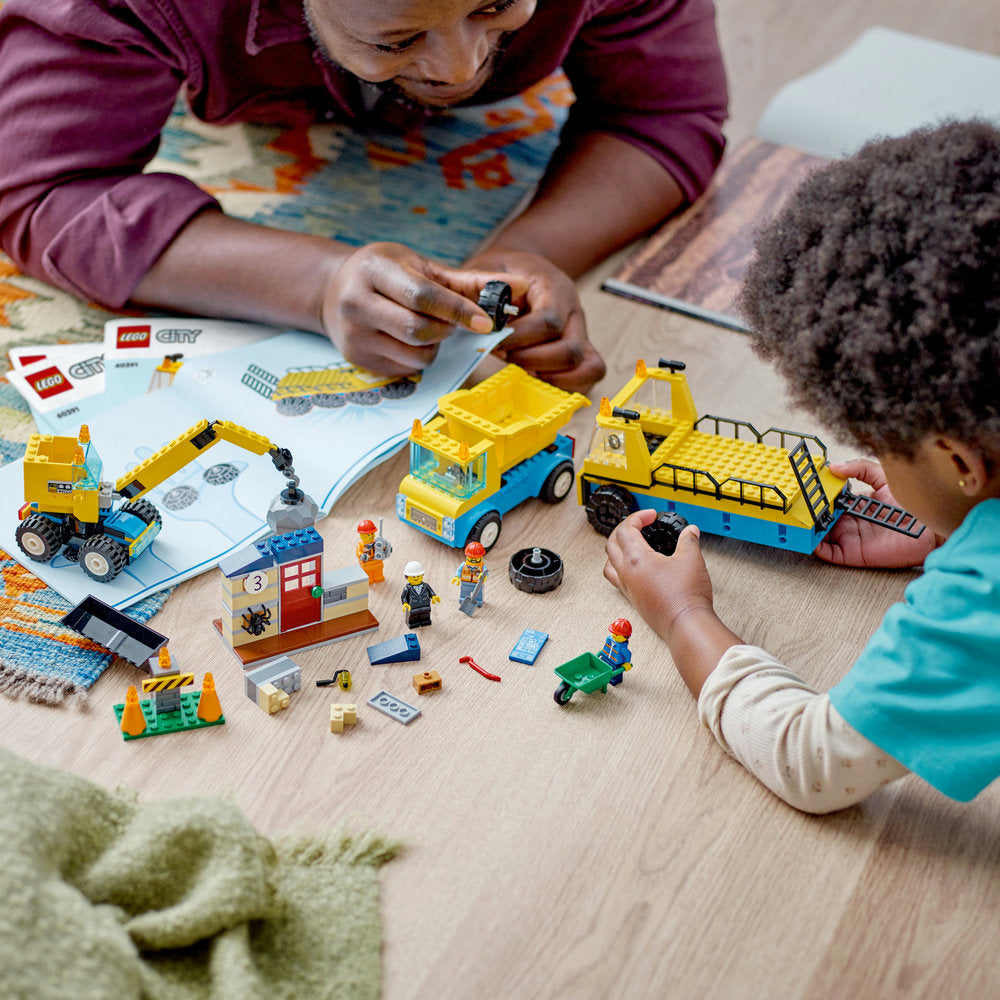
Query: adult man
x=87, y=85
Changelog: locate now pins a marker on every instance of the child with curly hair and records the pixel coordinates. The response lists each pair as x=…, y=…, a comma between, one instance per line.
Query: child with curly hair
x=876, y=294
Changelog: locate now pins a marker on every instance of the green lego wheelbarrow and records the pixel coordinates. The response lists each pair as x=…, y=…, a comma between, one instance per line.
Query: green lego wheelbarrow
x=585, y=673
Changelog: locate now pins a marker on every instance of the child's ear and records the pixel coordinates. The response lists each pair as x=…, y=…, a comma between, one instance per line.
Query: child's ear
x=972, y=469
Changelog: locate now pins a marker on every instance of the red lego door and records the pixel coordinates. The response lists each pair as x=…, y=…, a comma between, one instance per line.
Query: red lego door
x=297, y=605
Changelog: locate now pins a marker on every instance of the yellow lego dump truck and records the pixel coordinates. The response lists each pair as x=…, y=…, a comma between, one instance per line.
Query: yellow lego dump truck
x=488, y=449
x=650, y=449
x=104, y=526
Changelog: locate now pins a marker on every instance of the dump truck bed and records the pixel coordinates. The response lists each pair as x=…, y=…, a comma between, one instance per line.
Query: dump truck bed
x=520, y=414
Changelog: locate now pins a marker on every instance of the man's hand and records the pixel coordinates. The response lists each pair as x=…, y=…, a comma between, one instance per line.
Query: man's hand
x=549, y=336
x=387, y=308
x=854, y=542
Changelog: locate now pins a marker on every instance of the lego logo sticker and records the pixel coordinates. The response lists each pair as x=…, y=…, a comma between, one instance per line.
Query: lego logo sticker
x=138, y=335
x=49, y=382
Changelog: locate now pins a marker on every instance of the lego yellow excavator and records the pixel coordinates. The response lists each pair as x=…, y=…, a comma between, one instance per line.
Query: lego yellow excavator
x=104, y=526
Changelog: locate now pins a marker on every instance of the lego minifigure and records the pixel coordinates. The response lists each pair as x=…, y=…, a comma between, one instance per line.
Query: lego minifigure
x=417, y=596
x=373, y=549
x=616, y=651
x=471, y=578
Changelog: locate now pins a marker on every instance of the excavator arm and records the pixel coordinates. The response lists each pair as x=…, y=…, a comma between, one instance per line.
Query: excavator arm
x=183, y=450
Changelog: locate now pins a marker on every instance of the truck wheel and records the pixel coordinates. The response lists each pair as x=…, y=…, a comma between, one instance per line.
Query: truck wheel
x=486, y=530
x=102, y=558
x=558, y=483
x=293, y=406
x=493, y=299
x=563, y=694
x=535, y=571
x=608, y=506
x=143, y=510
x=39, y=538
x=399, y=389
x=328, y=400
x=365, y=397
x=663, y=533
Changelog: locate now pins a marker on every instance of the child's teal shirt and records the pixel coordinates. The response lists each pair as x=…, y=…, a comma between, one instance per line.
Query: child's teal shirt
x=926, y=688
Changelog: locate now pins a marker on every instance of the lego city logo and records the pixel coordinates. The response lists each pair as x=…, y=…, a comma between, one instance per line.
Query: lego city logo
x=49, y=382
x=134, y=336
x=177, y=336
x=87, y=368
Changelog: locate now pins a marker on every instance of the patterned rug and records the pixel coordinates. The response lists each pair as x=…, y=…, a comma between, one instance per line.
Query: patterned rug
x=441, y=190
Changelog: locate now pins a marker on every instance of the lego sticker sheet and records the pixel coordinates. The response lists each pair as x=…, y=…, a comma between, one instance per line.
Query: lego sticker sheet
x=218, y=502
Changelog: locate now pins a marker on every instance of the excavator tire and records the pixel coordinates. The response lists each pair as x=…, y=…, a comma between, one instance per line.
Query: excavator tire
x=143, y=510
x=39, y=538
x=102, y=558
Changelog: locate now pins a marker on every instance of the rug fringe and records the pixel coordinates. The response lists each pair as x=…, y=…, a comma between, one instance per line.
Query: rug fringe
x=16, y=683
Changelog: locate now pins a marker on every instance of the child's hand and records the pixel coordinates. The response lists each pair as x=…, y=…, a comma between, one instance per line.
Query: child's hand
x=662, y=588
x=550, y=334
x=853, y=542
x=387, y=308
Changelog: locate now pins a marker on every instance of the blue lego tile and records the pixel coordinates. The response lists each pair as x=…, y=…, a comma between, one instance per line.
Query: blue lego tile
x=395, y=708
x=528, y=647
x=398, y=650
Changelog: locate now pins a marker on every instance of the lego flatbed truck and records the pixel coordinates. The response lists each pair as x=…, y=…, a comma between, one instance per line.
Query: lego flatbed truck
x=650, y=449
x=489, y=448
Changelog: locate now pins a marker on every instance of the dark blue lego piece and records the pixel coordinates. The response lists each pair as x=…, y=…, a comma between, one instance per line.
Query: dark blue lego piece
x=398, y=650
x=528, y=646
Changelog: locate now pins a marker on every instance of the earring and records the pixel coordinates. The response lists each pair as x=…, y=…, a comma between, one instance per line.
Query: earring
x=961, y=484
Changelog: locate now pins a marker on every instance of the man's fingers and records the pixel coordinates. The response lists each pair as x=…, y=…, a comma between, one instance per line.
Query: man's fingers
x=420, y=294
x=386, y=355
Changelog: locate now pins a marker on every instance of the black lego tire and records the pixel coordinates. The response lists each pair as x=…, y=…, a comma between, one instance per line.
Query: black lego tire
x=535, y=570
x=483, y=530
x=563, y=693
x=39, y=538
x=492, y=299
x=608, y=506
x=662, y=534
x=552, y=489
x=109, y=554
x=143, y=510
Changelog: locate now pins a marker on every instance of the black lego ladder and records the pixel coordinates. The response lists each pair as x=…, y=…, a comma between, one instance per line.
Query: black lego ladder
x=885, y=514
x=809, y=482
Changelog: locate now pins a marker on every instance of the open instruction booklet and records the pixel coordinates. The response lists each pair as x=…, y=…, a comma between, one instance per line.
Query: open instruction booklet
x=886, y=84
x=293, y=388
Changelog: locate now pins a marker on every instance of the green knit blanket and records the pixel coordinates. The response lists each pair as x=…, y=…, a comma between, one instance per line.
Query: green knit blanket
x=104, y=897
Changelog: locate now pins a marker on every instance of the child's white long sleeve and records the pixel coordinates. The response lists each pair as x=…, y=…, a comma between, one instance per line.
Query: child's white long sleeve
x=789, y=735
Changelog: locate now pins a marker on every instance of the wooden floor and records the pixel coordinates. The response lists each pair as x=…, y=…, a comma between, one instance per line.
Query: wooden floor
x=608, y=848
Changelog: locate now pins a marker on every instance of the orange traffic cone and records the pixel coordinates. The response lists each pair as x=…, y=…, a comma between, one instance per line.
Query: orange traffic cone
x=133, y=720
x=209, y=708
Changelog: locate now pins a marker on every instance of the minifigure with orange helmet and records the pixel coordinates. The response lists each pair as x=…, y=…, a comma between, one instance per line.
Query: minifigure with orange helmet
x=616, y=652
x=372, y=549
x=471, y=574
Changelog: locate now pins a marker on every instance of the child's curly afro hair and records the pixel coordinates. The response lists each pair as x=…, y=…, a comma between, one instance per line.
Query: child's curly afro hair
x=876, y=290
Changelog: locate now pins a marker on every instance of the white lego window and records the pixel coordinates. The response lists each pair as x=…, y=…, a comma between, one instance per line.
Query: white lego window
x=309, y=581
